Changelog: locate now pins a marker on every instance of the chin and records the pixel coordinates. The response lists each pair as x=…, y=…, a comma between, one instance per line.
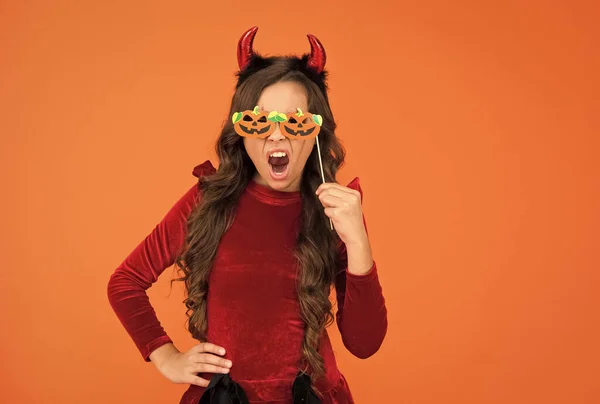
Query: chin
x=280, y=185
x=286, y=185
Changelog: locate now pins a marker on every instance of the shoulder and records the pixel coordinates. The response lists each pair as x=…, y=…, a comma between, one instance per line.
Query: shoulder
x=204, y=169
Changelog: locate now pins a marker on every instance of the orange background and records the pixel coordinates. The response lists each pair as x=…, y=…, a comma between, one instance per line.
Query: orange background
x=472, y=125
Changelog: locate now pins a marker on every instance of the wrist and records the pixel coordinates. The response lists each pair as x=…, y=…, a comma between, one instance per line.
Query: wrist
x=161, y=354
x=360, y=257
x=360, y=244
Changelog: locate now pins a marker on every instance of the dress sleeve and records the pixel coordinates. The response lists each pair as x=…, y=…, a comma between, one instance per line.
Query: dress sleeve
x=141, y=268
x=362, y=315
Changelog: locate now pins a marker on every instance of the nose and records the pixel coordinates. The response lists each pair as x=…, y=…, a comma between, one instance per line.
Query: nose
x=276, y=135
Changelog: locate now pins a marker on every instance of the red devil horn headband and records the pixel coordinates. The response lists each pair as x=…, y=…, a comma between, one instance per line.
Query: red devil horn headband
x=245, y=51
x=316, y=60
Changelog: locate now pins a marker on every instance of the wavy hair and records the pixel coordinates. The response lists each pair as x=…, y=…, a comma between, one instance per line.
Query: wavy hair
x=316, y=245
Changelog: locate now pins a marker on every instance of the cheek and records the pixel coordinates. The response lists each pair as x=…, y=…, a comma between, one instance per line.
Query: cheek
x=254, y=149
x=302, y=151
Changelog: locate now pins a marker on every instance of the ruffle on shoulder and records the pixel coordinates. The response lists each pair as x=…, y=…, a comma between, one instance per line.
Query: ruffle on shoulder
x=355, y=184
x=204, y=169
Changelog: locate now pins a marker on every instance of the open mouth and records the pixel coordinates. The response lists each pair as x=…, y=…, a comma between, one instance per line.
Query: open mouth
x=279, y=163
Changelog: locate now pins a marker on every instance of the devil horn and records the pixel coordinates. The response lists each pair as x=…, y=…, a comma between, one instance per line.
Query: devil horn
x=317, y=58
x=245, y=50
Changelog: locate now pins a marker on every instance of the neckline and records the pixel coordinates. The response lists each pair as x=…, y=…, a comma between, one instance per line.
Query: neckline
x=273, y=196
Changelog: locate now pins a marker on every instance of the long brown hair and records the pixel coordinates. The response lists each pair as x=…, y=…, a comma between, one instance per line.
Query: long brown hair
x=316, y=246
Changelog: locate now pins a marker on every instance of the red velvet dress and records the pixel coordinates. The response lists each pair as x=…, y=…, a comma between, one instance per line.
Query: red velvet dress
x=252, y=305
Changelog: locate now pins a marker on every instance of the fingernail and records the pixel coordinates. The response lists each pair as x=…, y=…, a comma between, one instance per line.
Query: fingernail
x=225, y=371
x=222, y=351
x=228, y=363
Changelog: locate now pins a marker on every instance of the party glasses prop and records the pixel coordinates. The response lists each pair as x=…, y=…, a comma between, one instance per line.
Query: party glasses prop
x=261, y=124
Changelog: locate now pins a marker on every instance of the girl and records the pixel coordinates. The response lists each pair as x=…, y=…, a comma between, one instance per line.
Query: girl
x=260, y=242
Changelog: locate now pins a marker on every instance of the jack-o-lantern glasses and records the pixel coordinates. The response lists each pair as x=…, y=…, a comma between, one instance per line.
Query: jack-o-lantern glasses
x=261, y=124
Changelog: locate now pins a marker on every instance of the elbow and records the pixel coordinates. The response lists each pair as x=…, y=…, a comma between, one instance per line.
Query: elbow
x=364, y=348
x=363, y=351
x=120, y=287
x=112, y=288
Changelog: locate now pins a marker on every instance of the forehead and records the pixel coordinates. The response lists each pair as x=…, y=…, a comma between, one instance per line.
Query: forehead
x=284, y=97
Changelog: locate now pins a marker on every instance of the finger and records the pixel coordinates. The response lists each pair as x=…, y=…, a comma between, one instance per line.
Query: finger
x=324, y=186
x=335, y=185
x=211, y=359
x=207, y=368
x=208, y=347
x=342, y=192
x=338, y=193
x=331, y=201
x=198, y=381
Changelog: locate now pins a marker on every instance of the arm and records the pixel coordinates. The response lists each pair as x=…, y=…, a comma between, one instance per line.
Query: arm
x=128, y=284
x=362, y=314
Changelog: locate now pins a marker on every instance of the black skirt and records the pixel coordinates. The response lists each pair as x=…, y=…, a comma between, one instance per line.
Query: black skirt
x=222, y=389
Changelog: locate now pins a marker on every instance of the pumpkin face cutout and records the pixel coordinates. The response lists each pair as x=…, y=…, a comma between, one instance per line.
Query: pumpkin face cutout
x=260, y=124
x=253, y=123
x=302, y=125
